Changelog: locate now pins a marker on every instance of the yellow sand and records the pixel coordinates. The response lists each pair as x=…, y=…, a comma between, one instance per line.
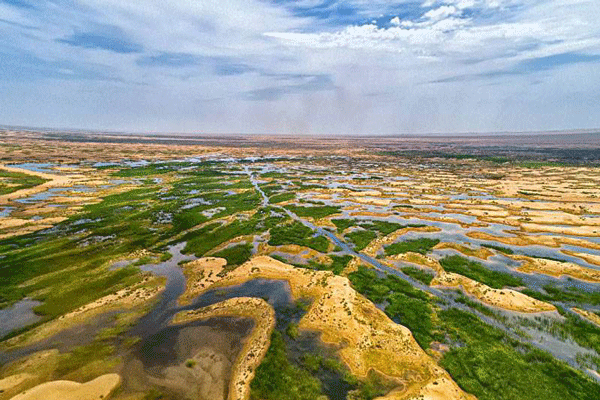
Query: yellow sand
x=482, y=252
x=591, y=258
x=580, y=230
x=370, y=340
x=97, y=389
x=256, y=345
x=419, y=259
x=53, y=181
x=507, y=299
x=556, y=268
x=542, y=240
x=27, y=372
x=590, y=316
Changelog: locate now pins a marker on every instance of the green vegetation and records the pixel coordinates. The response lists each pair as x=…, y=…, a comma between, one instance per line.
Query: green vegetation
x=360, y=238
x=73, y=362
x=490, y=365
x=571, y=294
x=280, y=198
x=405, y=304
x=478, y=272
x=204, y=241
x=315, y=212
x=236, y=255
x=278, y=379
x=13, y=181
x=68, y=265
x=483, y=360
x=421, y=245
x=343, y=224
x=297, y=233
x=419, y=274
x=501, y=249
x=338, y=264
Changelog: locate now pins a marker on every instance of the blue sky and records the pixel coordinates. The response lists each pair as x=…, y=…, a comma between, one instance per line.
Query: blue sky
x=301, y=67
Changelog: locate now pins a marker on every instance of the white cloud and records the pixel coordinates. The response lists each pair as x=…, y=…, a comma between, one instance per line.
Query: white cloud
x=378, y=77
x=440, y=13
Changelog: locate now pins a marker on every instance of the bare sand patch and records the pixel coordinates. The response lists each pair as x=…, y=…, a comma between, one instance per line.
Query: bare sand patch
x=590, y=316
x=579, y=230
x=482, y=252
x=542, y=240
x=97, y=389
x=420, y=259
x=368, y=201
x=256, y=345
x=554, y=218
x=591, y=258
x=353, y=265
x=556, y=268
x=200, y=275
x=27, y=372
x=9, y=223
x=507, y=299
x=371, y=214
x=369, y=339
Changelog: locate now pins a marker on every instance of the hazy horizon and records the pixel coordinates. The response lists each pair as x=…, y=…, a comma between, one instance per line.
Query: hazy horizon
x=314, y=67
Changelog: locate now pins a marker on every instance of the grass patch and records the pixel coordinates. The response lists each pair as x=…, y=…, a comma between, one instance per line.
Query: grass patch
x=236, y=255
x=360, y=238
x=282, y=197
x=478, y=272
x=297, y=233
x=421, y=246
x=315, y=212
x=552, y=293
x=492, y=366
x=343, y=224
x=278, y=379
x=501, y=249
x=419, y=274
x=406, y=305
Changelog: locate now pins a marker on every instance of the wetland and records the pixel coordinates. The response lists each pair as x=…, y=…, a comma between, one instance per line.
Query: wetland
x=153, y=269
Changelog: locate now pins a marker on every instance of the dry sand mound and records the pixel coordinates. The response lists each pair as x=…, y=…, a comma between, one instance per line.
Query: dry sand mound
x=556, y=268
x=507, y=299
x=97, y=389
x=590, y=316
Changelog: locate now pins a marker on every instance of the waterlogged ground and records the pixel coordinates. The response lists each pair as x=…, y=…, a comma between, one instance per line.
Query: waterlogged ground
x=493, y=266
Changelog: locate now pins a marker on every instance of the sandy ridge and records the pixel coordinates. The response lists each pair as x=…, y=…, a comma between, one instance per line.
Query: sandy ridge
x=97, y=389
x=507, y=299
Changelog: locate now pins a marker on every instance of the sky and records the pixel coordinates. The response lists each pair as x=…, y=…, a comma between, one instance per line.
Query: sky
x=369, y=67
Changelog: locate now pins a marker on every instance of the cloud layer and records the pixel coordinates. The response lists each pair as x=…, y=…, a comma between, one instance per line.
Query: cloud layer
x=301, y=67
